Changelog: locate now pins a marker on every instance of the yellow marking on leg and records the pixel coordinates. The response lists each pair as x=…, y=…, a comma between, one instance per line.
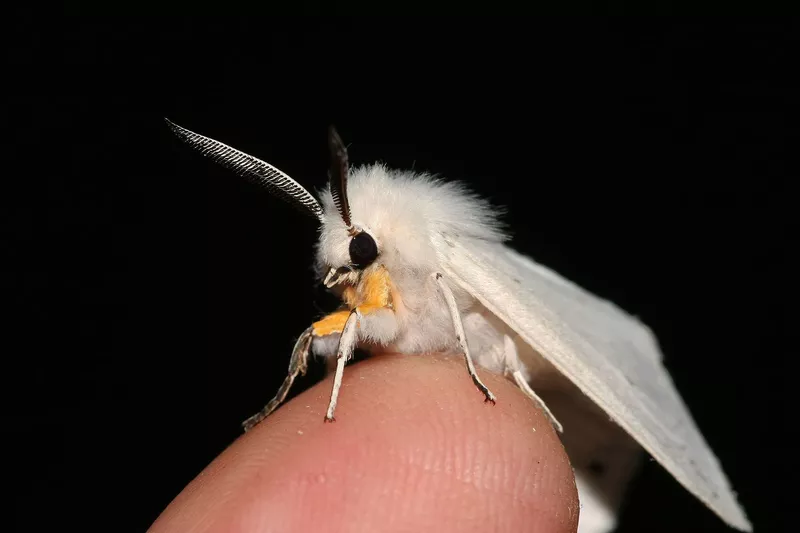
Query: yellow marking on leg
x=333, y=323
x=367, y=309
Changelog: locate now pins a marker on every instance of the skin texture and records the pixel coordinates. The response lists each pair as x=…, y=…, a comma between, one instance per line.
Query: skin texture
x=413, y=448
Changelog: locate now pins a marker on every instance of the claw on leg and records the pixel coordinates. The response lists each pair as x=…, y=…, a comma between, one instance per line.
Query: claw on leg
x=519, y=379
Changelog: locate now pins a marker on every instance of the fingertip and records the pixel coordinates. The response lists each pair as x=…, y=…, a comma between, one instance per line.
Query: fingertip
x=413, y=447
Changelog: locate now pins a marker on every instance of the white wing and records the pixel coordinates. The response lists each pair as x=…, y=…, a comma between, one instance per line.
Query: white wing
x=606, y=353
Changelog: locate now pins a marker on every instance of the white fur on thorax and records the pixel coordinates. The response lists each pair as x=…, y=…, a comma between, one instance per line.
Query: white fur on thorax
x=402, y=211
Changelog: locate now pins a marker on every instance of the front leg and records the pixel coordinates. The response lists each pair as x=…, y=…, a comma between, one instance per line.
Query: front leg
x=332, y=324
x=372, y=318
x=373, y=322
x=347, y=342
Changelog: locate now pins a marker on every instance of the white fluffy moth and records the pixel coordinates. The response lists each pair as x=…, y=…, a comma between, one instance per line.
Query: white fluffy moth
x=422, y=266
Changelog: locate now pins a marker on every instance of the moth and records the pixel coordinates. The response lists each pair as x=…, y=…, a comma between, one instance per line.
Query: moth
x=422, y=266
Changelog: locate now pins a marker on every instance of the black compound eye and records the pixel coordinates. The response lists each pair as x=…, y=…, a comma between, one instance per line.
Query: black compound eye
x=363, y=250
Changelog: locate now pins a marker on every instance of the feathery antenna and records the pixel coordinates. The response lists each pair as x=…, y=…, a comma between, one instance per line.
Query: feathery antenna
x=337, y=174
x=255, y=170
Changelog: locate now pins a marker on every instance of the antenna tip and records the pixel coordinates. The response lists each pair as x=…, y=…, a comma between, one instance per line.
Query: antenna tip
x=335, y=141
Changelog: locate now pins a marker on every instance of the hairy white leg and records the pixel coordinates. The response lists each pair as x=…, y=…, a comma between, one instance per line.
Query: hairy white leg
x=526, y=388
x=347, y=342
x=461, y=337
x=512, y=363
x=298, y=364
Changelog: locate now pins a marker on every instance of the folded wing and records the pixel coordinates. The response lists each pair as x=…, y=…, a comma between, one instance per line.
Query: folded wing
x=606, y=353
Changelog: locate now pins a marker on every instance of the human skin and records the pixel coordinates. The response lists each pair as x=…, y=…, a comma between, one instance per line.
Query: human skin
x=413, y=448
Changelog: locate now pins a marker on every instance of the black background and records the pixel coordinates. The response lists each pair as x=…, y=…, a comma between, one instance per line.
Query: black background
x=155, y=297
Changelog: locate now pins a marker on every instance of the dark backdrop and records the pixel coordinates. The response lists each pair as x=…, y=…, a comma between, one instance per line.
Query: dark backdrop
x=155, y=297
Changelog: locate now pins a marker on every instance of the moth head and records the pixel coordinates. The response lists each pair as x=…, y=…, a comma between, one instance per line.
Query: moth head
x=338, y=229
x=389, y=221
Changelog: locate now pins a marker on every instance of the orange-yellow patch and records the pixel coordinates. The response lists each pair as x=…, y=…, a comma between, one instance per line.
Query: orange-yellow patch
x=333, y=323
x=373, y=292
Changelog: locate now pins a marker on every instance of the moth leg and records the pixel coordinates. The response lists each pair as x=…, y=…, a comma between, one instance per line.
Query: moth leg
x=512, y=364
x=298, y=364
x=347, y=342
x=326, y=333
x=372, y=316
x=522, y=383
x=461, y=337
x=331, y=324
